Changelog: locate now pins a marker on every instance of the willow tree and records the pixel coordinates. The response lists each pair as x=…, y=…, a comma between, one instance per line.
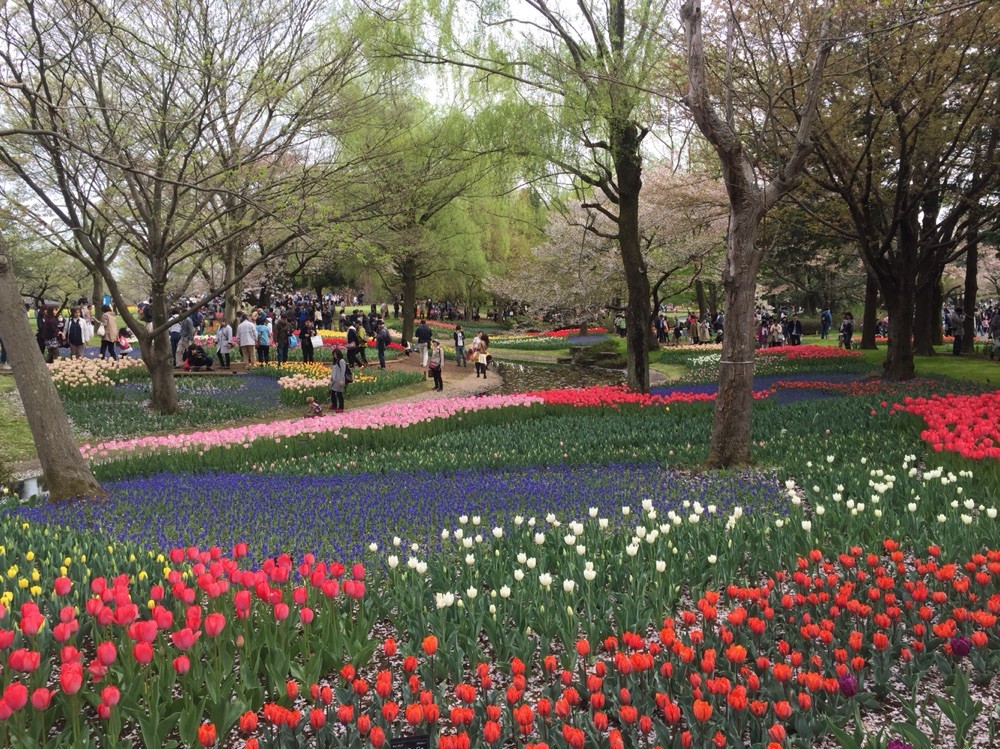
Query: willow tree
x=766, y=42
x=910, y=143
x=568, y=85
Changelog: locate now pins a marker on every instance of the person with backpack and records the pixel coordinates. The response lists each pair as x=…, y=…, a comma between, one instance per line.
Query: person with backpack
x=340, y=375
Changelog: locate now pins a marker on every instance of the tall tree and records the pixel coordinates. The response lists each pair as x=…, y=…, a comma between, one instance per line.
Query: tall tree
x=753, y=186
x=909, y=141
x=67, y=474
x=569, y=86
x=159, y=123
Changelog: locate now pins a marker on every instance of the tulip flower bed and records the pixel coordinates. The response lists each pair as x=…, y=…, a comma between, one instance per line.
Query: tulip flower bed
x=703, y=361
x=296, y=388
x=120, y=411
x=965, y=424
x=215, y=639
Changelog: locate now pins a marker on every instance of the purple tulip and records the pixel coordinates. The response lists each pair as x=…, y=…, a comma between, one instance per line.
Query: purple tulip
x=898, y=744
x=848, y=685
x=960, y=646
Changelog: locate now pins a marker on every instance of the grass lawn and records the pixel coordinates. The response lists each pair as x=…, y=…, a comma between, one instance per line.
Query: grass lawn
x=976, y=368
x=16, y=443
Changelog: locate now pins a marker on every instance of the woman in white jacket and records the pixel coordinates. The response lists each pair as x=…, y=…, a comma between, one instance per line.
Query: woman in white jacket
x=224, y=344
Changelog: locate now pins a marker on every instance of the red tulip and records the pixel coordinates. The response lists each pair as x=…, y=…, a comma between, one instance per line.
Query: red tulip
x=430, y=644
x=377, y=737
x=206, y=734
x=41, y=698
x=62, y=585
x=182, y=664
x=15, y=696
x=248, y=722
x=110, y=696
x=142, y=652
x=317, y=718
x=184, y=639
x=214, y=624
x=106, y=653
x=71, y=677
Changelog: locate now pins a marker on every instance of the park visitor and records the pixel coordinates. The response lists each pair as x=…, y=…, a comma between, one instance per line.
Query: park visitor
x=246, y=337
x=435, y=364
x=263, y=340
x=459, y=338
x=338, y=381
x=224, y=344
x=75, y=334
x=109, y=324
x=423, y=334
x=846, y=331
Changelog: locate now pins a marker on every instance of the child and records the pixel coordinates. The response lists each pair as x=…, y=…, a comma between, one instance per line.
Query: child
x=313, y=409
x=124, y=345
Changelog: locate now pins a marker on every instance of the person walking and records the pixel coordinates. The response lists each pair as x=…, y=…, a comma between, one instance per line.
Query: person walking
x=246, y=338
x=224, y=344
x=459, y=337
x=795, y=331
x=110, y=324
x=263, y=340
x=435, y=364
x=424, y=336
x=338, y=381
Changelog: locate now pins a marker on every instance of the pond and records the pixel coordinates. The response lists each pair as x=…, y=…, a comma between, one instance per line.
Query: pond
x=519, y=378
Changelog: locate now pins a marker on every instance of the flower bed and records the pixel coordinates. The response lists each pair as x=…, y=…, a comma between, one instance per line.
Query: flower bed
x=965, y=424
x=296, y=388
x=371, y=418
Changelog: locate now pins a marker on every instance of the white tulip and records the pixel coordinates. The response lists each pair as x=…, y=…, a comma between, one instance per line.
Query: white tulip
x=531, y=563
x=396, y=541
x=476, y=520
x=521, y=557
x=411, y=563
x=463, y=519
x=466, y=543
x=589, y=575
x=518, y=520
x=471, y=593
x=807, y=526
x=661, y=566
x=626, y=510
x=545, y=579
x=592, y=511
x=539, y=539
x=581, y=549
x=504, y=591
x=991, y=513
x=421, y=567
x=519, y=575
x=631, y=550
x=602, y=523
x=712, y=559
x=497, y=532
x=459, y=534
x=470, y=559
x=568, y=586
x=392, y=561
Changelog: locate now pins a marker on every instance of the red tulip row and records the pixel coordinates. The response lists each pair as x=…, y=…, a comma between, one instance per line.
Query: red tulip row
x=966, y=424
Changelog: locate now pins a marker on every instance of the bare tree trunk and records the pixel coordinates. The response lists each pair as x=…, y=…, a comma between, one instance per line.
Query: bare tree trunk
x=898, y=363
x=233, y=293
x=408, y=274
x=871, y=313
x=971, y=290
x=628, y=169
x=159, y=361
x=97, y=288
x=699, y=292
x=926, y=316
x=67, y=474
x=731, y=417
